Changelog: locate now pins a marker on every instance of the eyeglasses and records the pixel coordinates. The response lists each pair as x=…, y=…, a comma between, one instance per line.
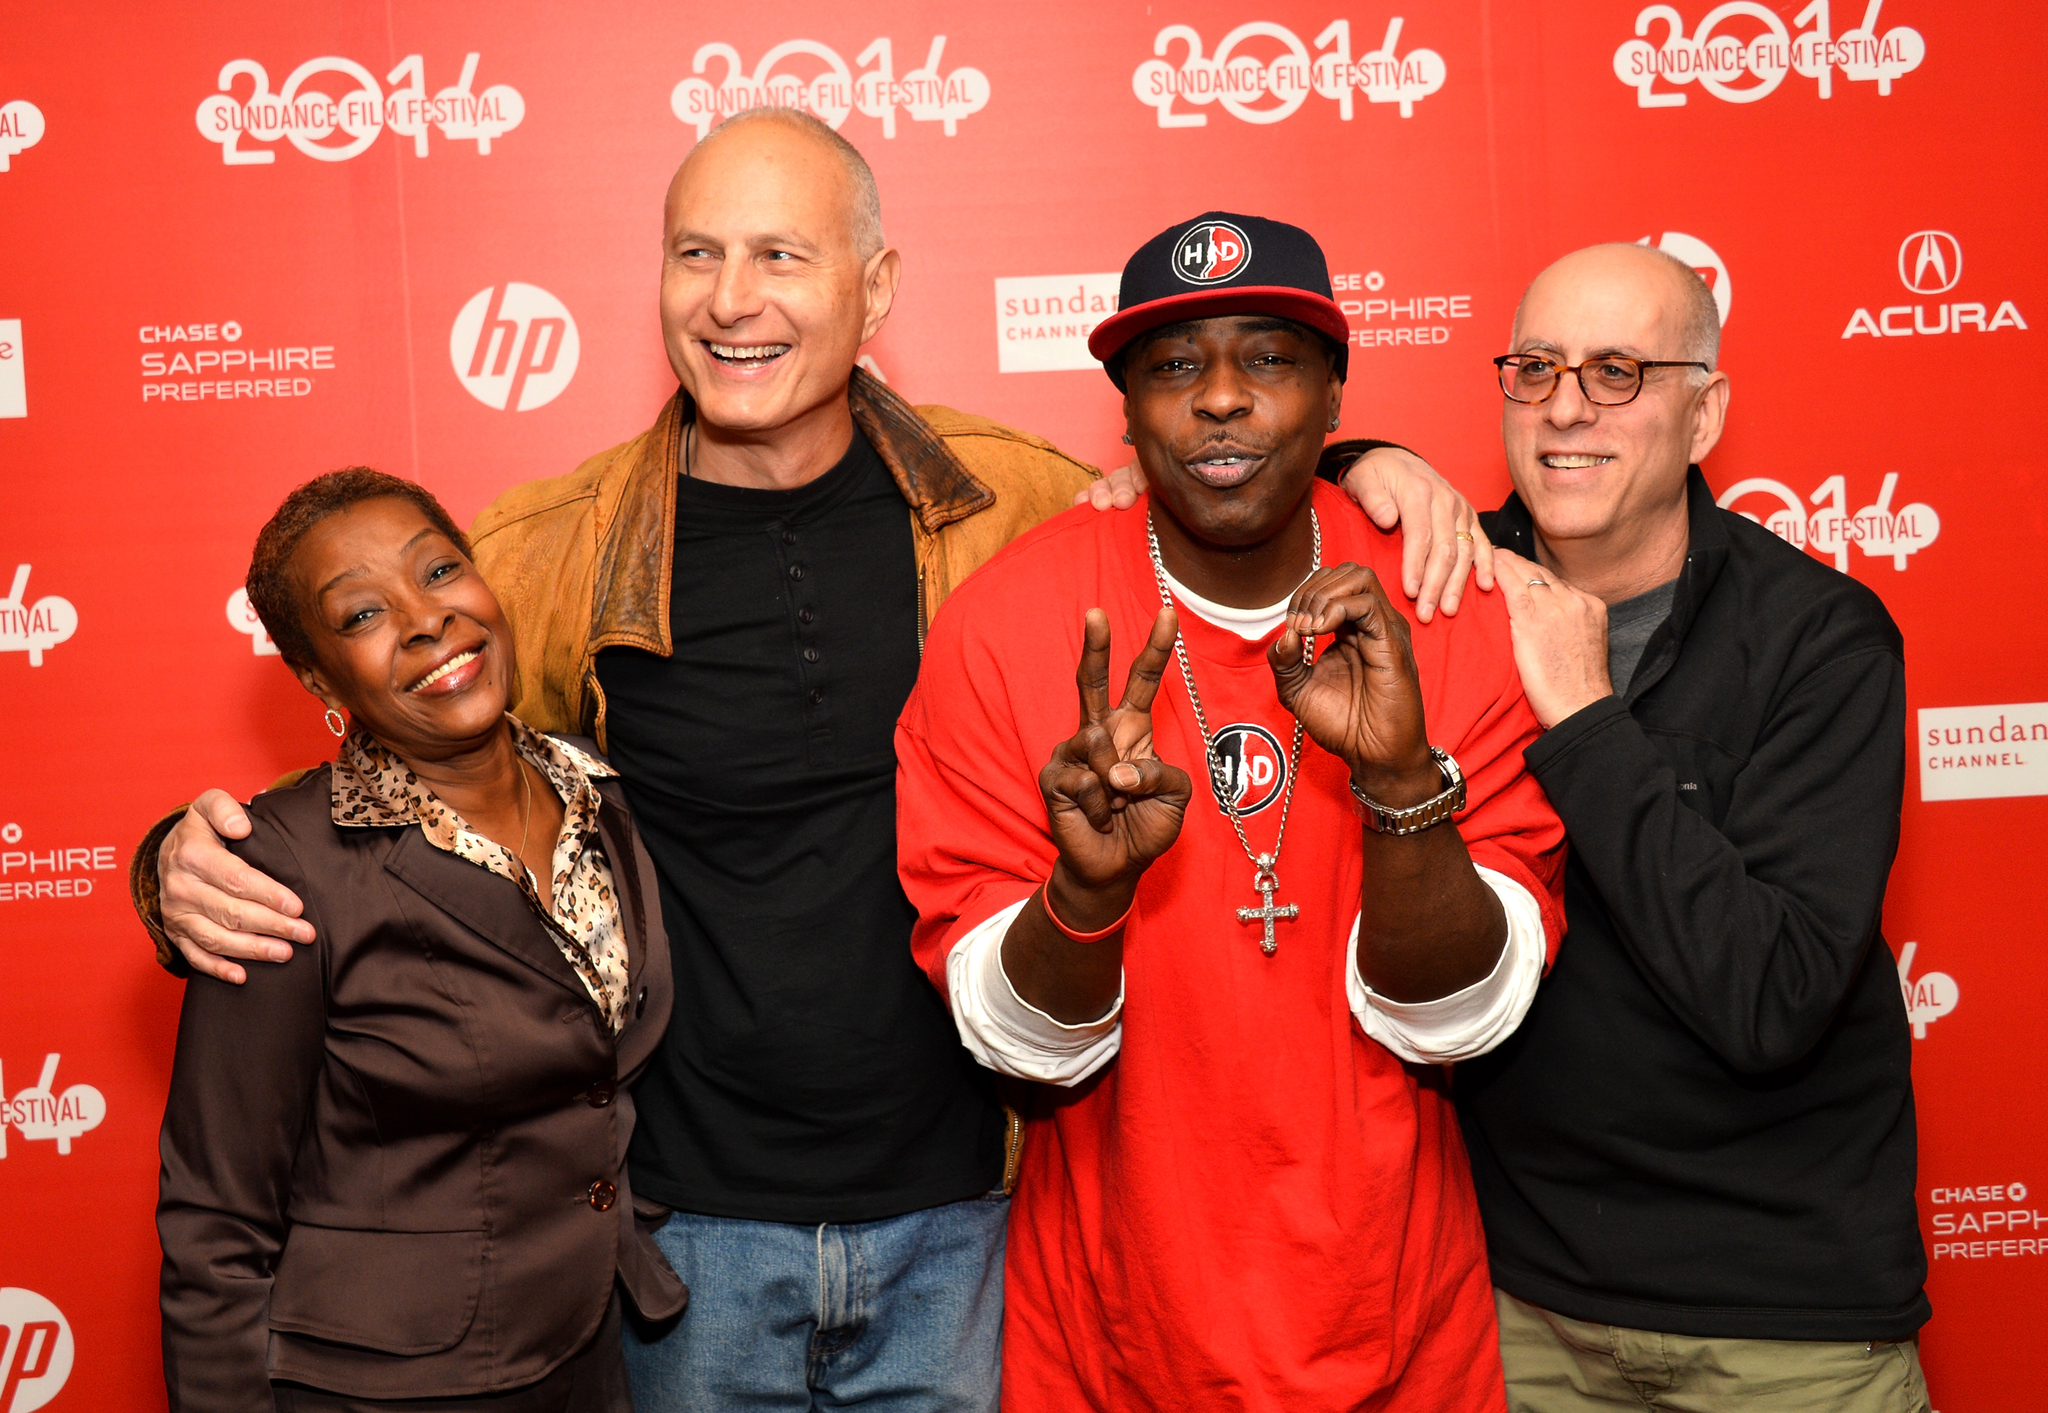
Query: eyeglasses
x=1612, y=381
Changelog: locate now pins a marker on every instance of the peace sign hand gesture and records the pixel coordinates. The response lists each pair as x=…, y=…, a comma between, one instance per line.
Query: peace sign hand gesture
x=1113, y=804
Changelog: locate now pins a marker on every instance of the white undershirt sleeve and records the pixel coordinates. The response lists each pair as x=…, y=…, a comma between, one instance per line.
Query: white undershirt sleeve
x=1011, y=1036
x=1007, y=1033
x=1465, y=1023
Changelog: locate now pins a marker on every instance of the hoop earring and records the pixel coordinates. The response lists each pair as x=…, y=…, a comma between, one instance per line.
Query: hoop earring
x=335, y=723
x=1127, y=440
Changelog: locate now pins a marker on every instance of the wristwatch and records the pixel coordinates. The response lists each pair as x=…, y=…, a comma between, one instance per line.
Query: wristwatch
x=1428, y=814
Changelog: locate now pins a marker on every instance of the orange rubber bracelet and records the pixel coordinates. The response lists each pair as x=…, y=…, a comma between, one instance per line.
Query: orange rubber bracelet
x=1045, y=901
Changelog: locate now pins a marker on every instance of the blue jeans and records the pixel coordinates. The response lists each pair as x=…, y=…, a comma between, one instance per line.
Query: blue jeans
x=903, y=1315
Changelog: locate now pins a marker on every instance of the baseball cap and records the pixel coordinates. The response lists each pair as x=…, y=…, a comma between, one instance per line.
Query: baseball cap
x=1223, y=263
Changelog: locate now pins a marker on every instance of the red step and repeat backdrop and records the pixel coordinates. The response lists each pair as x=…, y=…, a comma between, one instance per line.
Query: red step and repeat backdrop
x=244, y=243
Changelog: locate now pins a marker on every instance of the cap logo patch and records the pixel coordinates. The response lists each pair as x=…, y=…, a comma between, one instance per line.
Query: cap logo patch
x=1211, y=253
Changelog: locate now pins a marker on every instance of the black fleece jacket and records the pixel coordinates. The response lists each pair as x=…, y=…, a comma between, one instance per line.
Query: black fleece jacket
x=1705, y=1124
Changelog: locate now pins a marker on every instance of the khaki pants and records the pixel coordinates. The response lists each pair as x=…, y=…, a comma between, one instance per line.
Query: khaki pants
x=1556, y=1365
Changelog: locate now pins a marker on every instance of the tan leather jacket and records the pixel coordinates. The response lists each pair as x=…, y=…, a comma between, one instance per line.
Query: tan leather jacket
x=584, y=562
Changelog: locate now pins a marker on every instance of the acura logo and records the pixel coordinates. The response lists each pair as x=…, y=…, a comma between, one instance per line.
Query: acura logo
x=1930, y=262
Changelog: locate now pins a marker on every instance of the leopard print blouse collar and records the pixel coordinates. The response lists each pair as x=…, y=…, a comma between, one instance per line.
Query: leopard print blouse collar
x=373, y=788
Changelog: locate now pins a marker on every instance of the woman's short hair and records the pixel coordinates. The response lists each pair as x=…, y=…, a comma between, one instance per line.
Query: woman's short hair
x=271, y=592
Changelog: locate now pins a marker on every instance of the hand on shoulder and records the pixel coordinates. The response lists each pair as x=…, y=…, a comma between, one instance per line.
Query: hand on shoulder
x=217, y=909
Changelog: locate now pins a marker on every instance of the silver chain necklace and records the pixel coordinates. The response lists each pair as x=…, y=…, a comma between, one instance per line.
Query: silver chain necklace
x=1265, y=882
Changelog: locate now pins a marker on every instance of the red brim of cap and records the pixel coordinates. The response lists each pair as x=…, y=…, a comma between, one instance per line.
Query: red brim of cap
x=1281, y=301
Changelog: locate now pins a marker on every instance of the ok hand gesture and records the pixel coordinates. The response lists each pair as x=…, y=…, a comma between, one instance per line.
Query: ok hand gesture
x=1115, y=806
x=1360, y=700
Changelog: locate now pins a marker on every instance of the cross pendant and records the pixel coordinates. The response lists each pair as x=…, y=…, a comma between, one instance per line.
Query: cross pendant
x=1265, y=884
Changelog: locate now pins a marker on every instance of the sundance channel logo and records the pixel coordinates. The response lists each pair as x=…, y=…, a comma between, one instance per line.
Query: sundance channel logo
x=1043, y=321
x=820, y=82
x=332, y=109
x=1263, y=73
x=1741, y=52
x=1983, y=752
x=13, y=371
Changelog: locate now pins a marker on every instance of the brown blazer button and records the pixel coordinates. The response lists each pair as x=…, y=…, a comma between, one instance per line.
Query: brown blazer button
x=602, y=1195
x=600, y=1094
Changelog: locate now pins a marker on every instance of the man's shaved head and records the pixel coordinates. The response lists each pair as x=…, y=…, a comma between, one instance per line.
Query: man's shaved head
x=1701, y=340
x=774, y=273
x=1606, y=482
x=863, y=197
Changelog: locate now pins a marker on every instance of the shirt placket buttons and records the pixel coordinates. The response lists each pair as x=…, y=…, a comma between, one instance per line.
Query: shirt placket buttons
x=809, y=652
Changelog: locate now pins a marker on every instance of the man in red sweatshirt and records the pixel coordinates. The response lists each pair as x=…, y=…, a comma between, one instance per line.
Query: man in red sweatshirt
x=1235, y=921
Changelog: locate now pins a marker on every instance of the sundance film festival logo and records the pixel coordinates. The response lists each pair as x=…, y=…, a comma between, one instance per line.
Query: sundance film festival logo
x=332, y=109
x=1742, y=51
x=514, y=346
x=35, y=1350
x=34, y=628
x=43, y=1114
x=1708, y=265
x=1882, y=529
x=819, y=82
x=242, y=618
x=21, y=125
x=1929, y=997
x=1931, y=262
x=1983, y=752
x=1262, y=73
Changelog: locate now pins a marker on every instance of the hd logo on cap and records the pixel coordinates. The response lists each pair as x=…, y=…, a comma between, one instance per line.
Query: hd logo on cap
x=1211, y=253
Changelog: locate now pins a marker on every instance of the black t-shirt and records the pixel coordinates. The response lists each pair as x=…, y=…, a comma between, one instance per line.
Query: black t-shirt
x=811, y=1073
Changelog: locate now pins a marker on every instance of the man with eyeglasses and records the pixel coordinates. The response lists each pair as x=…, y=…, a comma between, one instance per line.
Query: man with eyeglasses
x=1695, y=1159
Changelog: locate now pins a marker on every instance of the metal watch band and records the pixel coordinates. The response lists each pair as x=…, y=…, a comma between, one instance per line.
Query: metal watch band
x=1428, y=814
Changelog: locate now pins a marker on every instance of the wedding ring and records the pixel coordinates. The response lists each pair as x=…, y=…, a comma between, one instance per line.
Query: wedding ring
x=1460, y=535
x=1539, y=583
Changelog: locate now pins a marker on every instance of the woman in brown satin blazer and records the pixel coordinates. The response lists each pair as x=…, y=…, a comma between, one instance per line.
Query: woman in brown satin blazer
x=394, y=1168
